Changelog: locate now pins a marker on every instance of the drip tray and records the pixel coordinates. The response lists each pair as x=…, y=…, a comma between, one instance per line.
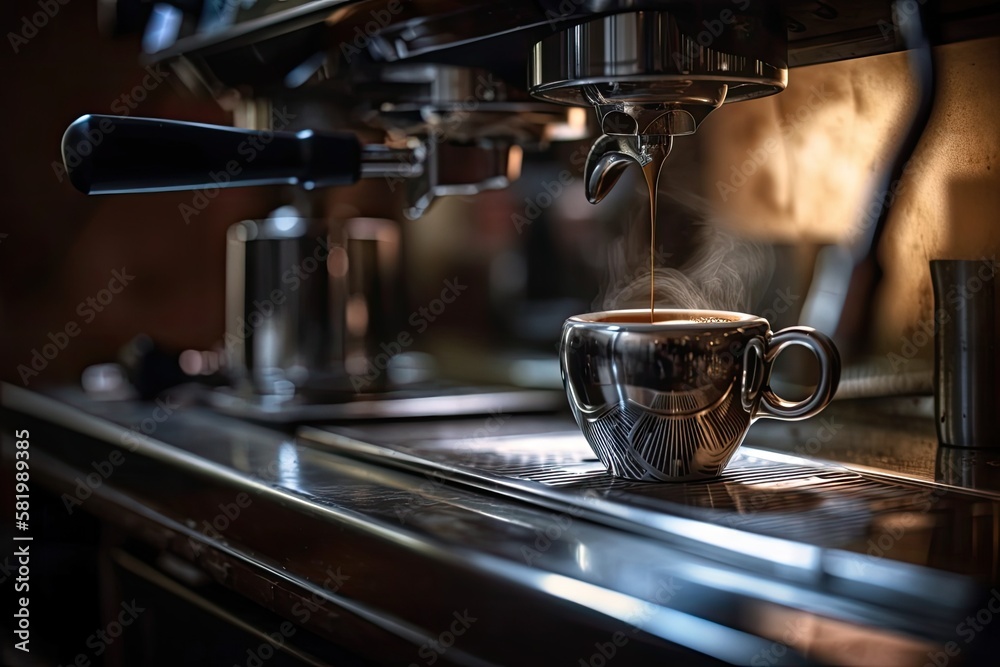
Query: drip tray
x=761, y=491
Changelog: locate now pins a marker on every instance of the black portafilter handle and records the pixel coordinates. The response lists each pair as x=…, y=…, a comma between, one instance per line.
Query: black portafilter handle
x=120, y=154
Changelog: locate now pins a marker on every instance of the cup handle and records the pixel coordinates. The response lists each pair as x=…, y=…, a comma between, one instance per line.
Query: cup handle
x=773, y=406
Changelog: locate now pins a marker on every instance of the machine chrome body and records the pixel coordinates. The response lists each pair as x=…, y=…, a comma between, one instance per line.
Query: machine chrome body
x=652, y=73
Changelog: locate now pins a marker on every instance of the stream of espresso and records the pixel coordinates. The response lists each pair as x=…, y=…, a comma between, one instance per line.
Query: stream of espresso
x=657, y=153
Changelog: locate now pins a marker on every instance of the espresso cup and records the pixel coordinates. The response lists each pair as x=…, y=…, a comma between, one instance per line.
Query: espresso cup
x=672, y=399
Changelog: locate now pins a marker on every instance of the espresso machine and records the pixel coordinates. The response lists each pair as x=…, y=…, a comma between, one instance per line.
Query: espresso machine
x=446, y=128
x=335, y=513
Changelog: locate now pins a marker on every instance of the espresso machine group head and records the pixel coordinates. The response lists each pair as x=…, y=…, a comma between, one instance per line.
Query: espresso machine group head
x=652, y=75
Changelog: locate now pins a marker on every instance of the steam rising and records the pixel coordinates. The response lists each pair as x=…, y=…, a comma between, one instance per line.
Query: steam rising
x=724, y=273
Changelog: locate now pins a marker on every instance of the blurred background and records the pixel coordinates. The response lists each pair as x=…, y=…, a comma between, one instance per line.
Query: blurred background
x=821, y=146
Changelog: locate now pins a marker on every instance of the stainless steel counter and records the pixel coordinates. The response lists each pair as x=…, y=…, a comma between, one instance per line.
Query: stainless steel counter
x=384, y=537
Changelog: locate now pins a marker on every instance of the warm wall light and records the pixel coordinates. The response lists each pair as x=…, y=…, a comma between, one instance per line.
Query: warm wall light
x=573, y=129
x=514, y=158
x=357, y=316
x=190, y=362
x=336, y=262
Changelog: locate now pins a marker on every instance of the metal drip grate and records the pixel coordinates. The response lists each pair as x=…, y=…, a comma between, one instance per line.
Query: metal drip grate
x=762, y=492
x=820, y=505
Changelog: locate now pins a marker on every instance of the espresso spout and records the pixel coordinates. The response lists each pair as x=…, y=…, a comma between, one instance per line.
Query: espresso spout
x=611, y=154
